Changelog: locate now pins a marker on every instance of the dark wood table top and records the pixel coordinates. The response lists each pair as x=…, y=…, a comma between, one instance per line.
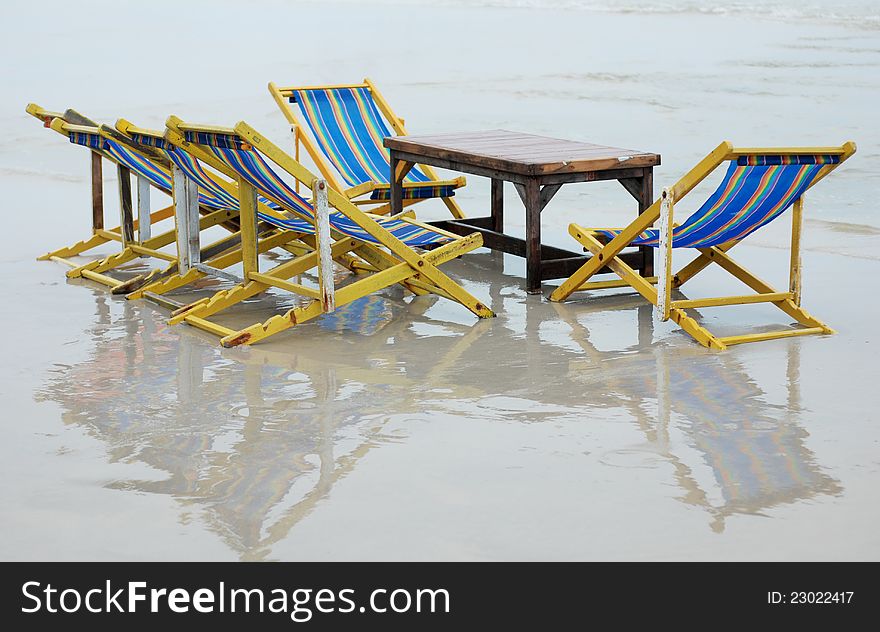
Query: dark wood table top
x=524, y=154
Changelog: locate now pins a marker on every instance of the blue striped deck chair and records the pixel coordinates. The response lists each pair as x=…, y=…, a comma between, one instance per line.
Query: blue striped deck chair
x=386, y=247
x=347, y=124
x=151, y=173
x=100, y=235
x=154, y=169
x=759, y=186
x=194, y=261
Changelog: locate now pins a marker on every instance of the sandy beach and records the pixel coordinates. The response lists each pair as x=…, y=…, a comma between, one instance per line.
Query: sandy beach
x=400, y=427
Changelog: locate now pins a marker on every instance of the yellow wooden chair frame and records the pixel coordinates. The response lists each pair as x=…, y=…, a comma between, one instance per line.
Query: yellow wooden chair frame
x=303, y=138
x=384, y=264
x=605, y=254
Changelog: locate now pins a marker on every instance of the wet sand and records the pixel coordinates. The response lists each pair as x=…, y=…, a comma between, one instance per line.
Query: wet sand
x=400, y=428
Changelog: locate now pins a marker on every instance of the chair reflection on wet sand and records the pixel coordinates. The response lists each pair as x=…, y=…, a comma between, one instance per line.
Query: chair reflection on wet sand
x=758, y=460
x=251, y=439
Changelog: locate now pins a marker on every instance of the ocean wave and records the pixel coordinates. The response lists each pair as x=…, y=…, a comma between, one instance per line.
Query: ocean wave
x=42, y=174
x=862, y=14
x=849, y=228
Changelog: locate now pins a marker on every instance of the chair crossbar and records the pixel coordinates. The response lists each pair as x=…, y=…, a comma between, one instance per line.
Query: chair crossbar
x=718, y=301
x=771, y=335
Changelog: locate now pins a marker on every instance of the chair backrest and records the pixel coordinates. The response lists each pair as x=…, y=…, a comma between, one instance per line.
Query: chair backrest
x=68, y=116
x=349, y=129
x=135, y=161
x=242, y=158
x=755, y=190
x=760, y=184
x=189, y=166
x=236, y=152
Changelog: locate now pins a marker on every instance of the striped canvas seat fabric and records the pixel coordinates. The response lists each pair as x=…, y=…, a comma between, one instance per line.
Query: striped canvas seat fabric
x=190, y=166
x=142, y=166
x=755, y=191
x=349, y=129
x=245, y=160
x=415, y=193
x=194, y=170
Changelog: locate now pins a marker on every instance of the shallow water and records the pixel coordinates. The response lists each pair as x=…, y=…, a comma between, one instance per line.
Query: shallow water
x=404, y=430
x=401, y=428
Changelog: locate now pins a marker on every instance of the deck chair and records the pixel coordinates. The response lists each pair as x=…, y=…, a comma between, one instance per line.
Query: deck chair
x=759, y=185
x=194, y=261
x=162, y=168
x=386, y=245
x=273, y=229
x=154, y=169
x=348, y=124
x=125, y=165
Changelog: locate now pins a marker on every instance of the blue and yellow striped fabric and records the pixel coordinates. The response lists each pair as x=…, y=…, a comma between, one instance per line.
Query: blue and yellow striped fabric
x=252, y=167
x=138, y=164
x=366, y=316
x=764, y=160
x=755, y=191
x=194, y=170
x=191, y=167
x=349, y=130
x=415, y=193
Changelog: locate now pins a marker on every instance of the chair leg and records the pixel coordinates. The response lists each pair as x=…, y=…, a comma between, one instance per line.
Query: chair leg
x=664, y=274
x=103, y=265
x=422, y=265
x=227, y=298
x=76, y=249
x=163, y=285
x=352, y=292
x=172, y=279
x=606, y=253
x=697, y=331
x=788, y=306
x=426, y=268
x=646, y=289
x=127, y=254
x=454, y=208
x=323, y=238
x=794, y=278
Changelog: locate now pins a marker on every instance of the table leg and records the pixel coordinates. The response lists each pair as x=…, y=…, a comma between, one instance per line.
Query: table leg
x=396, y=186
x=646, y=198
x=532, y=200
x=497, y=205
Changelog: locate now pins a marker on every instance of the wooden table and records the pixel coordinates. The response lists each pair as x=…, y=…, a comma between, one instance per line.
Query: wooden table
x=538, y=166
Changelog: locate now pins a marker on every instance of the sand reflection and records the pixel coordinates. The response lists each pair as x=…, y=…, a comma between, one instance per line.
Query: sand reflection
x=253, y=440
x=742, y=453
